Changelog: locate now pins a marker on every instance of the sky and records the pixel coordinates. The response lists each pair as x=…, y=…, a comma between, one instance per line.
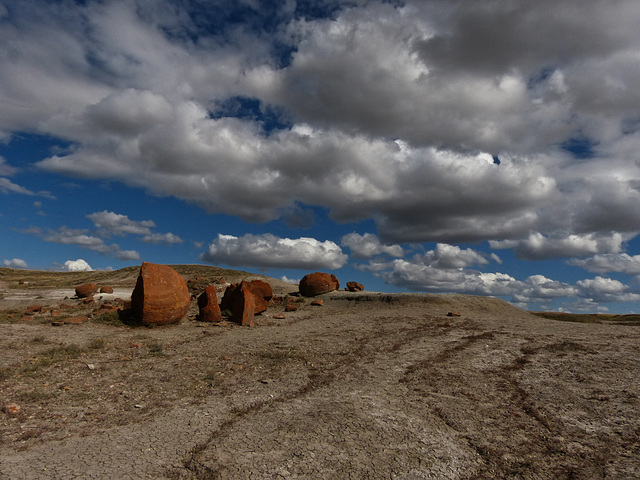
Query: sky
x=442, y=146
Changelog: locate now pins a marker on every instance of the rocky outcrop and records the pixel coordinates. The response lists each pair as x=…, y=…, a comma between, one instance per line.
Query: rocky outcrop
x=86, y=290
x=160, y=297
x=261, y=291
x=208, y=308
x=318, y=283
x=354, y=287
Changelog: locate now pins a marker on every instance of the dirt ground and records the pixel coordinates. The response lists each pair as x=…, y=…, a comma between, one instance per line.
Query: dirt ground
x=367, y=386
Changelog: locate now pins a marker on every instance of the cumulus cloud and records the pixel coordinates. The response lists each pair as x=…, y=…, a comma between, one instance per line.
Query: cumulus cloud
x=538, y=246
x=269, y=251
x=15, y=263
x=368, y=245
x=79, y=237
x=609, y=262
x=602, y=289
x=7, y=187
x=78, y=265
x=162, y=238
x=111, y=223
x=443, y=269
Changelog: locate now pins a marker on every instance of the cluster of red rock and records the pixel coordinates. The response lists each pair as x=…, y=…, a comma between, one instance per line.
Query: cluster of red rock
x=60, y=314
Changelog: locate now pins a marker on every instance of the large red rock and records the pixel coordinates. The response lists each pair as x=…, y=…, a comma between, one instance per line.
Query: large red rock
x=261, y=291
x=86, y=290
x=209, y=310
x=161, y=296
x=318, y=283
x=243, y=306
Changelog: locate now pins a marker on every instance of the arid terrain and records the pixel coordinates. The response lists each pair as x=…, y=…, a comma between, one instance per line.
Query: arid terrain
x=366, y=386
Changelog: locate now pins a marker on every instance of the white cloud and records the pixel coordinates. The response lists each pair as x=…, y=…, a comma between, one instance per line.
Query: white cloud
x=538, y=246
x=602, y=289
x=7, y=187
x=6, y=170
x=609, y=262
x=78, y=265
x=269, y=251
x=15, y=263
x=80, y=238
x=111, y=223
x=163, y=238
x=293, y=281
x=368, y=245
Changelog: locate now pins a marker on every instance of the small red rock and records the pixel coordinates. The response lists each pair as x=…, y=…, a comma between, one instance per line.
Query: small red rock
x=290, y=308
x=11, y=409
x=280, y=316
x=106, y=289
x=317, y=303
x=354, y=287
x=34, y=309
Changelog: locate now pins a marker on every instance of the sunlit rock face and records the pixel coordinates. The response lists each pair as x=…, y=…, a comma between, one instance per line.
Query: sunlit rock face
x=161, y=296
x=318, y=283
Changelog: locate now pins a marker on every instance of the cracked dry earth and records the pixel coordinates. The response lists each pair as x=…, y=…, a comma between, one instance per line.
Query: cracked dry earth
x=368, y=386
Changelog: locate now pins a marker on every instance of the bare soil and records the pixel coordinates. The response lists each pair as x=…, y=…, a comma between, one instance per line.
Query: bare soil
x=367, y=386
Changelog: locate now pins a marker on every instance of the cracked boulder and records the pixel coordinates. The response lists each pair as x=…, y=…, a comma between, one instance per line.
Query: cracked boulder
x=261, y=291
x=208, y=308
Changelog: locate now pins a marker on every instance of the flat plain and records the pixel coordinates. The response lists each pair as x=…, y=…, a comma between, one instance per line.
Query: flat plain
x=367, y=386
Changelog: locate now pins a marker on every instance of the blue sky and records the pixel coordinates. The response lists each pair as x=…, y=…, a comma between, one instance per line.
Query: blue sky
x=486, y=148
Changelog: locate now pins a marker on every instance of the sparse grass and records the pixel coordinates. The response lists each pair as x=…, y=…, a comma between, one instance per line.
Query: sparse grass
x=62, y=352
x=39, y=339
x=5, y=372
x=155, y=348
x=35, y=396
x=603, y=318
x=49, y=357
x=110, y=318
x=97, y=344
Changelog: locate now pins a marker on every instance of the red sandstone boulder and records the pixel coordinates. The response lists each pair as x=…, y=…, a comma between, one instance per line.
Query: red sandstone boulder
x=318, y=283
x=86, y=290
x=161, y=296
x=106, y=289
x=354, y=287
x=209, y=310
x=260, y=290
x=243, y=306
